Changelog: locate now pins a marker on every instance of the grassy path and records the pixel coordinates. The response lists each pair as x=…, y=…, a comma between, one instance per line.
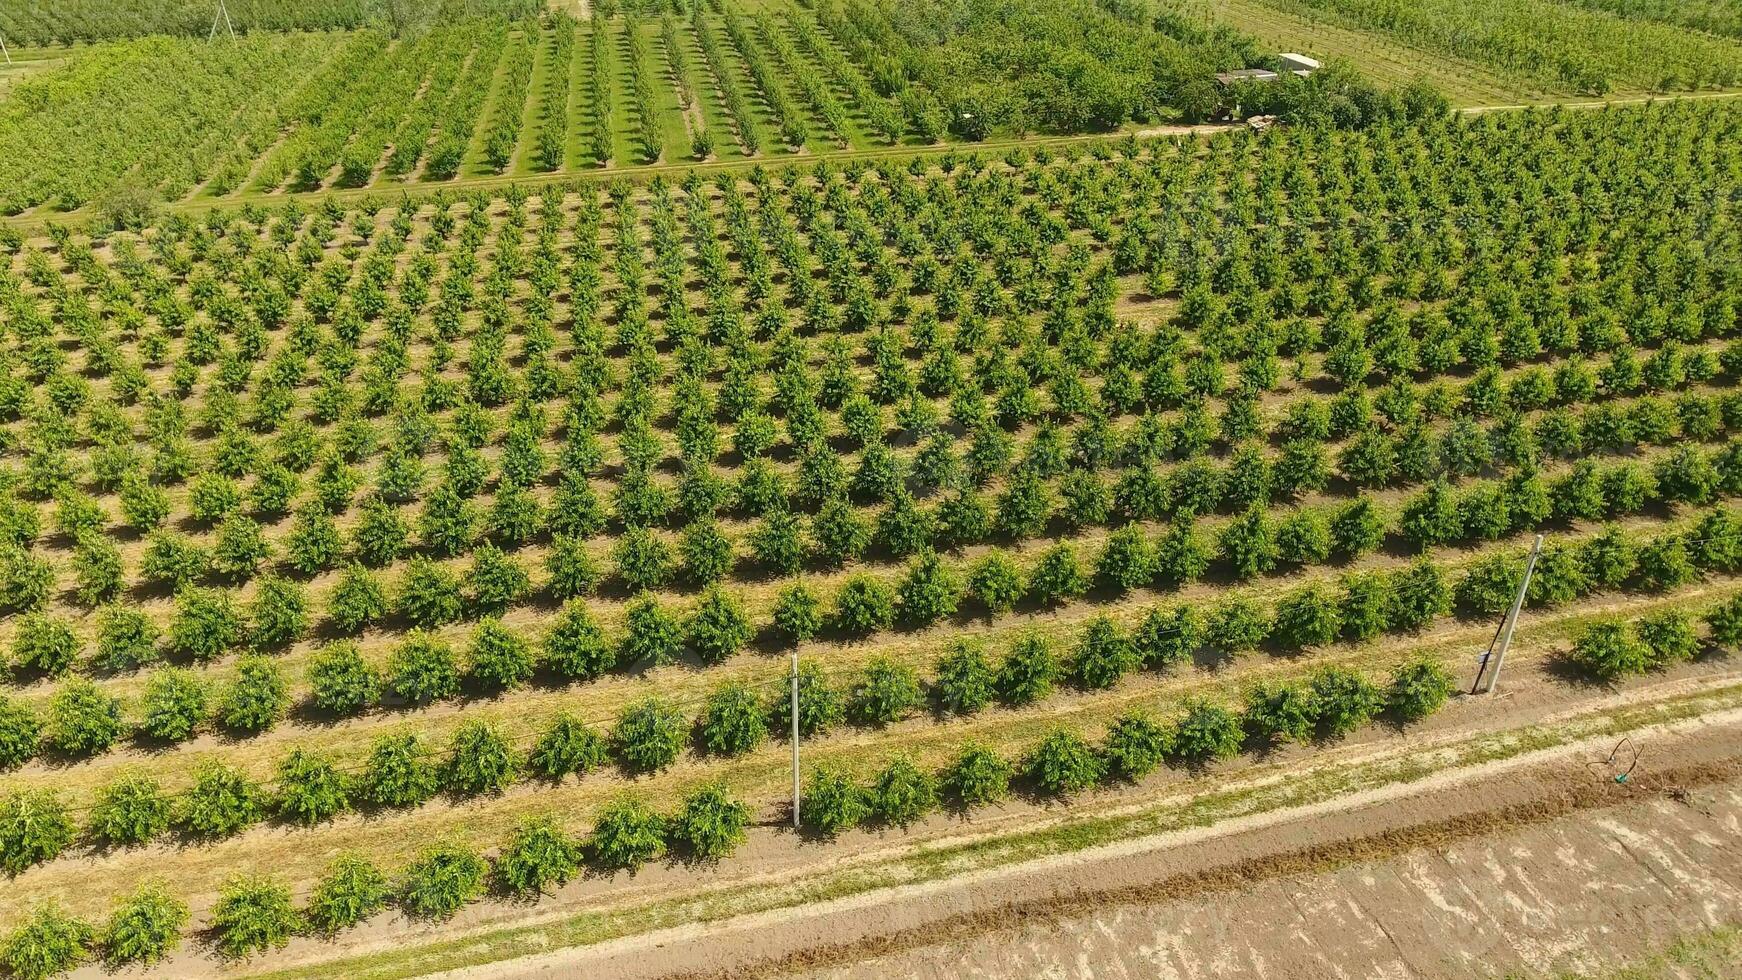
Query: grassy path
x=532, y=112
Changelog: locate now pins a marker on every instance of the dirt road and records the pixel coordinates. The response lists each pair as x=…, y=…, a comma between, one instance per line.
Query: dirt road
x=1540, y=867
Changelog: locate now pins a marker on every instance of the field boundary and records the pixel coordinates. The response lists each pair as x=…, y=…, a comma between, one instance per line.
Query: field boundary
x=1240, y=804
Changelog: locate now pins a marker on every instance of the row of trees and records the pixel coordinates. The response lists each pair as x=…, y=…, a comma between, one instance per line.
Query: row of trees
x=423, y=668
x=255, y=914
x=71, y=21
x=400, y=771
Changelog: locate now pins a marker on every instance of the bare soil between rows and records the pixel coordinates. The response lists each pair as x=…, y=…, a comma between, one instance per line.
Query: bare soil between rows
x=1529, y=868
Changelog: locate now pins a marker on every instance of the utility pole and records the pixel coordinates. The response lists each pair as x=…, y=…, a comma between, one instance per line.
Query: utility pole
x=223, y=17
x=1507, y=626
x=5, y=52
x=795, y=740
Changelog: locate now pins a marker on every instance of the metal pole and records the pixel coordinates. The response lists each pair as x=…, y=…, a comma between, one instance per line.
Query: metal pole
x=795, y=739
x=1512, y=620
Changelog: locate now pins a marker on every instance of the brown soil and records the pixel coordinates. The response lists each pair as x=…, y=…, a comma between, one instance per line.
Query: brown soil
x=1529, y=845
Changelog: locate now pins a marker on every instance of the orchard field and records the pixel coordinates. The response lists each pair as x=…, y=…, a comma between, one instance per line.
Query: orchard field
x=426, y=450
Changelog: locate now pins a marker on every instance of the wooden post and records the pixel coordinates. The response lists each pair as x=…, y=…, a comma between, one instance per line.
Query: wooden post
x=795, y=739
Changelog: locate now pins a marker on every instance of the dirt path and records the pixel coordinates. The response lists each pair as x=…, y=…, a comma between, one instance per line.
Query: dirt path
x=1473, y=873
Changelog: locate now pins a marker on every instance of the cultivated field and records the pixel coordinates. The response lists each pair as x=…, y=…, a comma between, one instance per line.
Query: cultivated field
x=434, y=461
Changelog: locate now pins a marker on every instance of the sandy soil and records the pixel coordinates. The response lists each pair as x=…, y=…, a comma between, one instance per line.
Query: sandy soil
x=1581, y=893
x=1544, y=866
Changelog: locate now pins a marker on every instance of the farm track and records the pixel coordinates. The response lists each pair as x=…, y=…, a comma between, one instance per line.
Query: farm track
x=774, y=908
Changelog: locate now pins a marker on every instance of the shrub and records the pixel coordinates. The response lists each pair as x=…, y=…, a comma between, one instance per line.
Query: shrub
x=539, y=856
x=649, y=736
x=221, y=802
x=1306, y=617
x=442, y=880
x=44, y=645
x=1056, y=576
x=144, y=928
x=311, y=789
x=82, y=720
x=1356, y=528
x=718, y=628
x=1664, y=564
x=996, y=582
x=480, y=760
x=1418, y=689
x=358, y=600
x=929, y=593
x=422, y=670
x=1126, y=561
x=1724, y=620
x=343, y=682
x=429, y=594
x=130, y=810
x=1103, y=655
x=732, y=722
x=642, y=558
x=206, y=624
x=652, y=635
x=1236, y=625
x=48, y=943
x=253, y=914
x=20, y=733
x=820, y=707
x=1248, y=544
x=902, y=794
x=1489, y=587
x=1609, y=649
x=1063, y=764
x=1135, y=746
x=1365, y=607
x=399, y=772
x=1669, y=635
x=864, y=605
x=174, y=704
x=964, y=683
x=353, y=889
x=575, y=648
x=628, y=835
x=1207, y=732
x=832, y=801
x=567, y=746
x=258, y=697
x=710, y=824
x=977, y=776
x=279, y=614
x=1168, y=636
x=1418, y=596
x=1303, y=538
x=797, y=614
x=126, y=638
x=888, y=693
x=496, y=580
x=499, y=658
x=34, y=827
x=1028, y=671
x=1344, y=700
x=1280, y=713
x=572, y=570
